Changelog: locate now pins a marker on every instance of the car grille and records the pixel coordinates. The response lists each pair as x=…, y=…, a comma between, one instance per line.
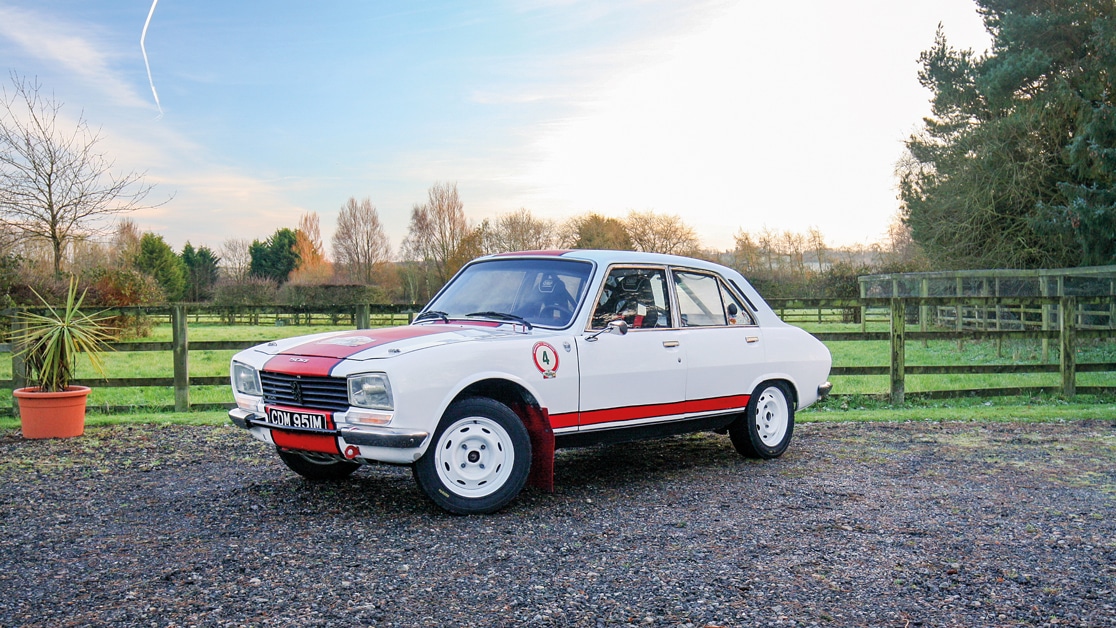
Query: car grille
x=301, y=391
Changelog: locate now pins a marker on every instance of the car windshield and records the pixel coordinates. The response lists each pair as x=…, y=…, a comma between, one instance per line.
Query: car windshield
x=542, y=292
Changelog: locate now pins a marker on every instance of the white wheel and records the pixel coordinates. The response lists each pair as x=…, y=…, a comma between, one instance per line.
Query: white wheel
x=764, y=431
x=772, y=416
x=479, y=458
x=474, y=457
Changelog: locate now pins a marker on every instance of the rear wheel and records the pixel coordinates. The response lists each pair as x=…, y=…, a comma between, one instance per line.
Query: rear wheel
x=479, y=458
x=317, y=466
x=767, y=425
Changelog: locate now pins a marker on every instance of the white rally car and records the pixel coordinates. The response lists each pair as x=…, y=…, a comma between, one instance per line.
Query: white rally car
x=521, y=353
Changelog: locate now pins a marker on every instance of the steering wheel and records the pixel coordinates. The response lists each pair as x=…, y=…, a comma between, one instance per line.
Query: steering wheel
x=565, y=311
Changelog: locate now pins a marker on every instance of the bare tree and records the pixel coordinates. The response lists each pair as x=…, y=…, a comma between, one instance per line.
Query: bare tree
x=438, y=229
x=661, y=233
x=360, y=246
x=594, y=231
x=125, y=243
x=793, y=246
x=313, y=267
x=518, y=231
x=236, y=258
x=55, y=186
x=746, y=253
x=817, y=245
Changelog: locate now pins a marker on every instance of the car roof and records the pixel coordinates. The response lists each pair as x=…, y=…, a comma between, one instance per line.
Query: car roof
x=606, y=257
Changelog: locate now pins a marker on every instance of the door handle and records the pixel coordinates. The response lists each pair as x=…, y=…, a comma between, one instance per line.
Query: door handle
x=751, y=339
x=670, y=344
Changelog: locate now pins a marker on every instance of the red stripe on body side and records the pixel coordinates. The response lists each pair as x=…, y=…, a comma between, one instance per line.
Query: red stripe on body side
x=634, y=413
x=567, y=419
x=731, y=402
x=322, y=443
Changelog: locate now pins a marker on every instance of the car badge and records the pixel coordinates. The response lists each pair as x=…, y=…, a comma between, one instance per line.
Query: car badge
x=300, y=360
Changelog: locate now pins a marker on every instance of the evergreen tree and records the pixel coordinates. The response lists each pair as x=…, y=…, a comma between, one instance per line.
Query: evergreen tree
x=1015, y=168
x=201, y=272
x=276, y=257
x=158, y=259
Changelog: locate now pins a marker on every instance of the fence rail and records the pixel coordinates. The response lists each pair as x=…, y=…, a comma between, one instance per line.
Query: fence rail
x=1063, y=322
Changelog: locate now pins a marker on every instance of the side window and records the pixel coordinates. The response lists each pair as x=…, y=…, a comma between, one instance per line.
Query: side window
x=737, y=313
x=699, y=299
x=636, y=295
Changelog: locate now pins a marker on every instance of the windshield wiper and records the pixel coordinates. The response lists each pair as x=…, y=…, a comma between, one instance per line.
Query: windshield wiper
x=504, y=316
x=433, y=314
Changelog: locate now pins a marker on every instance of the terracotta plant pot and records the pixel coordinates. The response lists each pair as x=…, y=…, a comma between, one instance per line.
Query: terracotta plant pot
x=52, y=414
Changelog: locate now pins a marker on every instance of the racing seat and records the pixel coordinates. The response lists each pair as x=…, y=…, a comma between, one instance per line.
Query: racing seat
x=555, y=304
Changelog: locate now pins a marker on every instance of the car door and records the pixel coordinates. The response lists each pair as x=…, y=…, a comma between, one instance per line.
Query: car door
x=724, y=346
x=638, y=377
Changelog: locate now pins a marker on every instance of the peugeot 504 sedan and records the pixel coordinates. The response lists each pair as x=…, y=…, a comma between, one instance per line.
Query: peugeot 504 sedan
x=523, y=353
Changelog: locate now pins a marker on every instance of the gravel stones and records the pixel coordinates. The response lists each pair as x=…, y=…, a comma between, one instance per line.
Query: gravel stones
x=913, y=524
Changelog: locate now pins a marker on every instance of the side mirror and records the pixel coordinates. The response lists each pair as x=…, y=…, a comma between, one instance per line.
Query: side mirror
x=732, y=309
x=618, y=325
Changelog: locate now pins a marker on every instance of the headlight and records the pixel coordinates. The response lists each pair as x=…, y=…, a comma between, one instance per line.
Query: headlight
x=370, y=390
x=246, y=380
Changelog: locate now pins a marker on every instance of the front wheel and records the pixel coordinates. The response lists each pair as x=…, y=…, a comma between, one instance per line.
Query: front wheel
x=479, y=458
x=768, y=422
x=316, y=466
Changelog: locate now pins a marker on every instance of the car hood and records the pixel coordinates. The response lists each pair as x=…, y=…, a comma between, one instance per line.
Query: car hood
x=367, y=344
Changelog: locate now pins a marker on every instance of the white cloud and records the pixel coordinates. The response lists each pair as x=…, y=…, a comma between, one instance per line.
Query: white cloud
x=785, y=115
x=69, y=49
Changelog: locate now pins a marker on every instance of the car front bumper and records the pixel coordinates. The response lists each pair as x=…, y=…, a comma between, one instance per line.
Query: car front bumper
x=356, y=435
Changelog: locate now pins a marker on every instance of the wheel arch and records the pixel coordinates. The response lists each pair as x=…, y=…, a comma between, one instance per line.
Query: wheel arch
x=526, y=406
x=783, y=379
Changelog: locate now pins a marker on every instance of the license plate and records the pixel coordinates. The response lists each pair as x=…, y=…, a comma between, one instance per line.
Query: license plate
x=296, y=419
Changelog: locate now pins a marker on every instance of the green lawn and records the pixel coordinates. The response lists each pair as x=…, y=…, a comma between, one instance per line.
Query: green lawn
x=845, y=353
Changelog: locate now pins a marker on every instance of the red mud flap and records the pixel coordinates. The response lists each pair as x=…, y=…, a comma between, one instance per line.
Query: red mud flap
x=537, y=422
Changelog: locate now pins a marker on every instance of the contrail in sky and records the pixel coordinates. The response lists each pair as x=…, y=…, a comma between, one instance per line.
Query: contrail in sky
x=143, y=48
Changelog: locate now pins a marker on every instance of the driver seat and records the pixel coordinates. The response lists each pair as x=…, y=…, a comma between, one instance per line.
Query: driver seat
x=555, y=301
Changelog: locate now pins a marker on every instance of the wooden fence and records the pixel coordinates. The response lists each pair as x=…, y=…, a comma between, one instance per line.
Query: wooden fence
x=1070, y=320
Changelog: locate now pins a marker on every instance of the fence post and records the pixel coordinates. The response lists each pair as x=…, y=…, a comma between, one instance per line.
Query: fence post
x=181, y=346
x=363, y=316
x=898, y=348
x=924, y=310
x=19, y=364
x=1067, y=316
x=863, y=309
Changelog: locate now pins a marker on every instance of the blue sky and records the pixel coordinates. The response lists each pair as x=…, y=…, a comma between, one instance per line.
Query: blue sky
x=732, y=115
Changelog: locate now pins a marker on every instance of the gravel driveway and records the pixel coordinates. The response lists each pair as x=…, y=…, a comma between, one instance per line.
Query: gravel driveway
x=913, y=524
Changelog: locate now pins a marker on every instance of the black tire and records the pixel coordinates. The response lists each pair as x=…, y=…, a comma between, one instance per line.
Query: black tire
x=766, y=428
x=317, y=467
x=478, y=460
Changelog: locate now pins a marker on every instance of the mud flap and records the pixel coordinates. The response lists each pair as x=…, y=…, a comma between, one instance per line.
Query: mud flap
x=537, y=422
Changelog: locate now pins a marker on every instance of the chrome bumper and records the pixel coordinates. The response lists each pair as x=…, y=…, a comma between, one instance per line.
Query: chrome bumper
x=363, y=435
x=823, y=390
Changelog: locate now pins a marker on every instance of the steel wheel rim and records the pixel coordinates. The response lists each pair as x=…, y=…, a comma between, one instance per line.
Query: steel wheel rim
x=772, y=416
x=474, y=457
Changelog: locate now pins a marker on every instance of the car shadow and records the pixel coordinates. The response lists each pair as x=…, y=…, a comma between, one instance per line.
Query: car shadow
x=380, y=491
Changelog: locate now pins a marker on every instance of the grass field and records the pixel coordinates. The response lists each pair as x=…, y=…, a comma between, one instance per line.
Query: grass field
x=854, y=394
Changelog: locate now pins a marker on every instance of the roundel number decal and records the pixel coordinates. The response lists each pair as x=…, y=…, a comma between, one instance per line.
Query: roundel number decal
x=546, y=359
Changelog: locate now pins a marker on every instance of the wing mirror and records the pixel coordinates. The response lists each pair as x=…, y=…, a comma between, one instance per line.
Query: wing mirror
x=618, y=325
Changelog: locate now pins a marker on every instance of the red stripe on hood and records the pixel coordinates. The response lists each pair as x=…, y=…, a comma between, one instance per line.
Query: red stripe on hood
x=319, y=357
